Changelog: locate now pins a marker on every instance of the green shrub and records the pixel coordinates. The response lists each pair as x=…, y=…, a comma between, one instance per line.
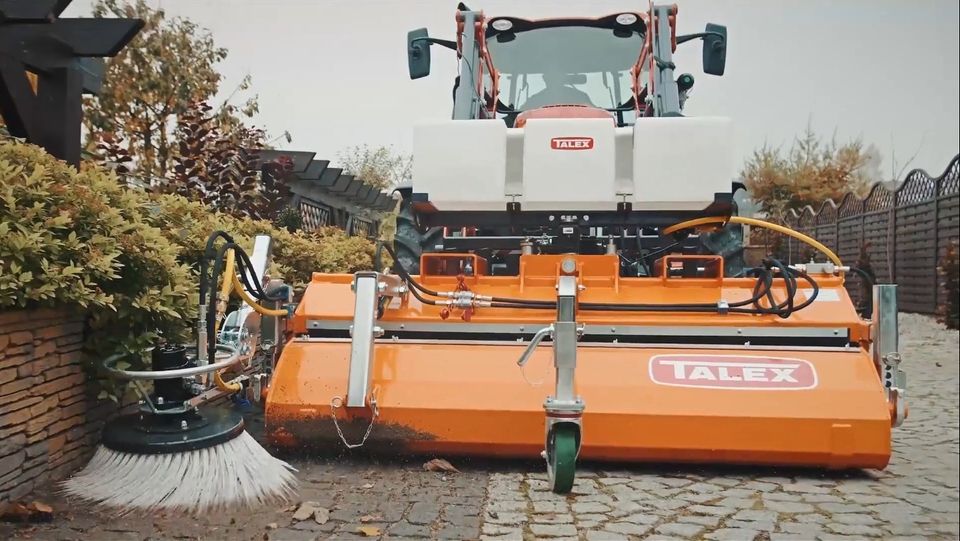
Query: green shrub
x=129, y=257
x=79, y=238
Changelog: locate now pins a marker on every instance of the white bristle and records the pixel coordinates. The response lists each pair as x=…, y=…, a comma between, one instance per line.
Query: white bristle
x=237, y=473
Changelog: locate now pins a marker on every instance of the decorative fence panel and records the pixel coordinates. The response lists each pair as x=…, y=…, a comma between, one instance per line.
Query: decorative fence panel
x=901, y=235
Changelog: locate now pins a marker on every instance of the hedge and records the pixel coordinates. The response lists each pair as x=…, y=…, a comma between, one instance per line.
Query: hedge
x=128, y=257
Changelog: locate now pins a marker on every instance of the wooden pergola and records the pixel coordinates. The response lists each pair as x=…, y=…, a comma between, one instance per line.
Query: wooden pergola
x=47, y=63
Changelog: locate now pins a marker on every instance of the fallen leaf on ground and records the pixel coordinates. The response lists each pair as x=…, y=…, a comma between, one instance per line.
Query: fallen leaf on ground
x=368, y=485
x=369, y=531
x=370, y=518
x=321, y=515
x=306, y=510
x=439, y=464
x=14, y=512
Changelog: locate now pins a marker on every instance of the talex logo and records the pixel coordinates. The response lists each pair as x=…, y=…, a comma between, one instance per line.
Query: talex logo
x=571, y=143
x=733, y=372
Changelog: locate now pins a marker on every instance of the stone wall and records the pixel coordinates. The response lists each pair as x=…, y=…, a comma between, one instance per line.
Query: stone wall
x=50, y=420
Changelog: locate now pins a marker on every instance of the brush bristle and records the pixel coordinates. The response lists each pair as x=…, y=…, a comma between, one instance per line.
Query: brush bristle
x=236, y=473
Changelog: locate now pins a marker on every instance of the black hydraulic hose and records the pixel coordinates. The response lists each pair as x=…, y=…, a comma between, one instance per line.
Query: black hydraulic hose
x=870, y=282
x=398, y=268
x=765, y=279
x=207, y=255
x=864, y=275
x=245, y=267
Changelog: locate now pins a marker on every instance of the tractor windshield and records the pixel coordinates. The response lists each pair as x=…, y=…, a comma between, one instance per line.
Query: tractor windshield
x=583, y=65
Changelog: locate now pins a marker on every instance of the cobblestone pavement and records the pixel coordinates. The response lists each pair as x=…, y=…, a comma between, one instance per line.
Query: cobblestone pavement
x=915, y=498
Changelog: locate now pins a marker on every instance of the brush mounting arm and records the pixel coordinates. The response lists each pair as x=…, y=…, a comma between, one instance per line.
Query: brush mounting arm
x=110, y=362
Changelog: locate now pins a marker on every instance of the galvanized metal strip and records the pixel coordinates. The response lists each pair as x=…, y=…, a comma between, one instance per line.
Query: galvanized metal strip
x=594, y=329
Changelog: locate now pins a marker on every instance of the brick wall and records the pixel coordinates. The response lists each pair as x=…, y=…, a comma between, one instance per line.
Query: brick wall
x=50, y=420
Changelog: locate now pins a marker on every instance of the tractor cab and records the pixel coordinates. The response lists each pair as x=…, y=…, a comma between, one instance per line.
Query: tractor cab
x=620, y=63
x=555, y=64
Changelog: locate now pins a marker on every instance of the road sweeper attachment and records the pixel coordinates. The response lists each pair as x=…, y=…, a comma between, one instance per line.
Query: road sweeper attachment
x=569, y=201
x=178, y=452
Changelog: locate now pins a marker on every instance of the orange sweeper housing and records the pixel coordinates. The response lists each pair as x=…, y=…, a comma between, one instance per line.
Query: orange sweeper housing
x=570, y=201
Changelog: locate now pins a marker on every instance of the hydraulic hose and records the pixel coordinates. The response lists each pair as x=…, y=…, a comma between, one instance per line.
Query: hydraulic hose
x=252, y=303
x=782, y=309
x=759, y=223
x=225, y=264
x=224, y=296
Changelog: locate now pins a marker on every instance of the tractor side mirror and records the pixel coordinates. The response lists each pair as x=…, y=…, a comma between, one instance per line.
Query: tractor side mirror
x=714, y=49
x=418, y=53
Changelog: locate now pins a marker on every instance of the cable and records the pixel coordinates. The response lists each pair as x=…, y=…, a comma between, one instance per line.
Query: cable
x=759, y=223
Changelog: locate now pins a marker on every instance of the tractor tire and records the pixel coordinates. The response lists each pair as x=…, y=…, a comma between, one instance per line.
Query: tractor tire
x=410, y=243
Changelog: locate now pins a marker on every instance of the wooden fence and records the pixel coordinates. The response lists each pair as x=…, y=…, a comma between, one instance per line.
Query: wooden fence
x=901, y=234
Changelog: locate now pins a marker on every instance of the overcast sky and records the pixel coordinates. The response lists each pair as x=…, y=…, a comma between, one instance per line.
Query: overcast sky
x=333, y=72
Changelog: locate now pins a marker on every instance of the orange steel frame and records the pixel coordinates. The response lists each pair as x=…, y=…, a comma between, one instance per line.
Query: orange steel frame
x=462, y=396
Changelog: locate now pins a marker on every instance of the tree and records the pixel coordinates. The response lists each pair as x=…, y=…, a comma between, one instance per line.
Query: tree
x=809, y=173
x=379, y=167
x=166, y=68
x=220, y=167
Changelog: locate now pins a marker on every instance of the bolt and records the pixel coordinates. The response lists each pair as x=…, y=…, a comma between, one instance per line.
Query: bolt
x=183, y=425
x=160, y=400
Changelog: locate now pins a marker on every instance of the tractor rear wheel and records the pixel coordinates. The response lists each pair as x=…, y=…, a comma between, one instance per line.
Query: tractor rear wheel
x=409, y=242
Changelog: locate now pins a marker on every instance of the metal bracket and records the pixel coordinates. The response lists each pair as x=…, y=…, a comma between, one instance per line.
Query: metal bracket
x=369, y=287
x=885, y=348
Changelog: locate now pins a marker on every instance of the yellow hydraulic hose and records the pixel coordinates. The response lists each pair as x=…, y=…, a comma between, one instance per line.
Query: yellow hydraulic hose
x=759, y=223
x=238, y=287
x=224, y=296
x=231, y=282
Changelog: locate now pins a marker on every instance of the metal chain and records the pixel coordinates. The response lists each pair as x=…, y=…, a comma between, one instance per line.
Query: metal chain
x=336, y=403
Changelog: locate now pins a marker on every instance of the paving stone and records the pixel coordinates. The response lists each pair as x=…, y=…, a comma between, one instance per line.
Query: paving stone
x=686, y=530
x=553, y=530
x=854, y=518
x=809, y=529
x=554, y=518
x=811, y=517
x=458, y=532
x=406, y=529
x=712, y=510
x=512, y=506
x=764, y=526
x=640, y=518
x=505, y=518
x=704, y=520
x=499, y=529
x=755, y=515
x=594, y=535
x=550, y=507
x=423, y=513
x=589, y=507
x=607, y=481
x=732, y=534
x=854, y=529
x=843, y=508
x=628, y=528
x=788, y=507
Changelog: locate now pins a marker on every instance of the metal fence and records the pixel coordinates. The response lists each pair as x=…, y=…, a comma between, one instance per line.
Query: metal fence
x=902, y=234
